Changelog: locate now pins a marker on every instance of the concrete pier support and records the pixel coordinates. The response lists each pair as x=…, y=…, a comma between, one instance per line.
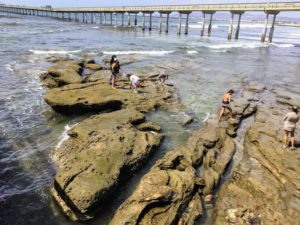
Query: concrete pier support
x=135, y=19
x=128, y=22
x=179, y=25
x=263, y=35
x=122, y=19
x=150, y=22
x=238, y=27
x=111, y=20
x=187, y=24
x=143, y=22
x=167, y=22
x=105, y=18
x=210, y=25
x=272, y=28
x=69, y=16
x=203, y=25
x=100, y=18
x=230, y=26
x=160, y=23
x=93, y=18
x=116, y=19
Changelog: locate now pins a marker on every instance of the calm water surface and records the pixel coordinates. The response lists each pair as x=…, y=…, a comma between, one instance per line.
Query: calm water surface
x=30, y=130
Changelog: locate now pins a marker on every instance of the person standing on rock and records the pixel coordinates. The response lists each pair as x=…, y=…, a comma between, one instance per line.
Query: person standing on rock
x=115, y=70
x=225, y=104
x=289, y=127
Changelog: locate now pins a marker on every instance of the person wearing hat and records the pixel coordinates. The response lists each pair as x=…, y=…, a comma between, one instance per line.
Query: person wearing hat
x=225, y=104
x=289, y=126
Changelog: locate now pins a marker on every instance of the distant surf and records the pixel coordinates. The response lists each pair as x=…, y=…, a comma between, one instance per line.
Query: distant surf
x=158, y=53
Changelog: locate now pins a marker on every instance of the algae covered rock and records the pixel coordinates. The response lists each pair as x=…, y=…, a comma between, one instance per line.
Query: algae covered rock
x=101, y=152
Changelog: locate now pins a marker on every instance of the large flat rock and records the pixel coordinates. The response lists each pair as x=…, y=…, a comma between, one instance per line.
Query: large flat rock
x=100, y=96
x=100, y=153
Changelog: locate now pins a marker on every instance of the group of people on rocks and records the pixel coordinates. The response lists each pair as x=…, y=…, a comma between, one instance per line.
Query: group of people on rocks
x=135, y=81
x=289, y=125
x=290, y=119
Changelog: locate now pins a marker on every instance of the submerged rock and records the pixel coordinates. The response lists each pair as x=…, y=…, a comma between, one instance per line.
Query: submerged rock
x=101, y=153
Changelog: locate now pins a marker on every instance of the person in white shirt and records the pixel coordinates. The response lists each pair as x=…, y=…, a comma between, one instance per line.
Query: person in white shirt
x=134, y=82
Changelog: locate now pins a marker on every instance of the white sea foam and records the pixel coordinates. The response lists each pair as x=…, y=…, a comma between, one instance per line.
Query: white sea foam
x=53, y=52
x=9, y=67
x=64, y=135
x=282, y=45
x=236, y=45
x=137, y=52
x=191, y=52
x=206, y=117
x=95, y=27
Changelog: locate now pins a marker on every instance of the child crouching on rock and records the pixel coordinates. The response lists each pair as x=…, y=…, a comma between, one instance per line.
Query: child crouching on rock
x=134, y=82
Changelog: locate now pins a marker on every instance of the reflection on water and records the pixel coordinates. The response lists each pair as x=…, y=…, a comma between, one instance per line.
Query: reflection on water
x=201, y=69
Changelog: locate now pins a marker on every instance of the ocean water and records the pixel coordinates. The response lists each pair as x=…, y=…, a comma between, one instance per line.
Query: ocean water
x=203, y=69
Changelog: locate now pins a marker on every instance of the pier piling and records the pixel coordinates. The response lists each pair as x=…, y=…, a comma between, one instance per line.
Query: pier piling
x=263, y=35
x=187, y=24
x=167, y=23
x=272, y=27
x=230, y=26
x=179, y=24
x=238, y=27
x=143, y=22
x=210, y=25
x=160, y=22
x=203, y=25
x=128, y=20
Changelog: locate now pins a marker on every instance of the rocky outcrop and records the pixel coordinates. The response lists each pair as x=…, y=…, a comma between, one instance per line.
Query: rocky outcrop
x=265, y=187
x=101, y=152
x=174, y=190
x=99, y=96
x=63, y=73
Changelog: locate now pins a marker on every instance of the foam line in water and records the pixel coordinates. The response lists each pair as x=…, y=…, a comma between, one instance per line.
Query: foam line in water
x=191, y=52
x=236, y=45
x=206, y=117
x=64, y=135
x=9, y=67
x=57, y=52
x=282, y=45
x=137, y=52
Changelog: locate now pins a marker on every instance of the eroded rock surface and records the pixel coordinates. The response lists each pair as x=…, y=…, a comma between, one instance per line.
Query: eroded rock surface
x=63, y=73
x=100, y=153
x=173, y=191
x=265, y=187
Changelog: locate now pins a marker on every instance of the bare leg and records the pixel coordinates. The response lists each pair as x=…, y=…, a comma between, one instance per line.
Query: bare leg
x=285, y=137
x=113, y=80
x=293, y=138
x=221, y=114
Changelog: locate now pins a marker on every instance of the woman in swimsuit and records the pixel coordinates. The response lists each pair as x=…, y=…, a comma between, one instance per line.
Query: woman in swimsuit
x=225, y=104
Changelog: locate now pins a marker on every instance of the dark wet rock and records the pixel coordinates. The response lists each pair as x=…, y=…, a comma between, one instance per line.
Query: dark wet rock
x=264, y=188
x=101, y=152
x=63, y=73
x=99, y=96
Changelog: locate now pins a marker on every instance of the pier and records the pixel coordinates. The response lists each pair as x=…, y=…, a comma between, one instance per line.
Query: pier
x=105, y=15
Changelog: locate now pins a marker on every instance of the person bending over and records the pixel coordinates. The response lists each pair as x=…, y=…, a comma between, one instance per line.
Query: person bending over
x=289, y=126
x=134, y=82
x=162, y=77
x=226, y=104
